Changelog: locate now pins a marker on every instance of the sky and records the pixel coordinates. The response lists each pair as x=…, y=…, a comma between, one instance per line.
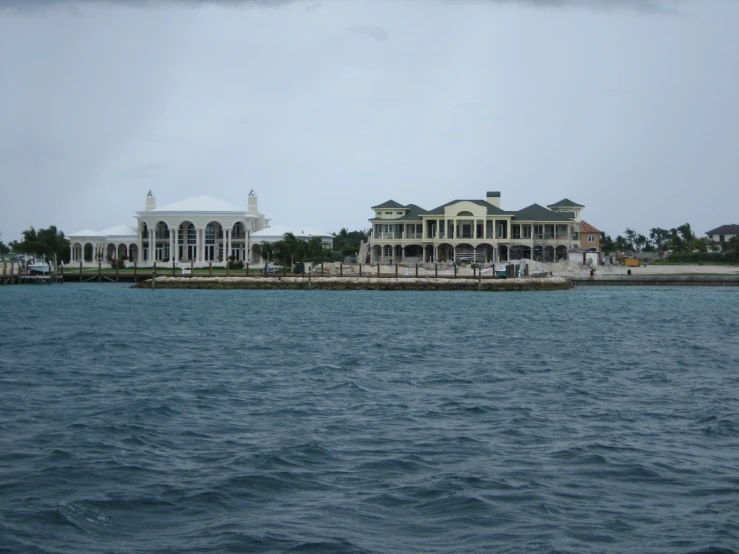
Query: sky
x=328, y=107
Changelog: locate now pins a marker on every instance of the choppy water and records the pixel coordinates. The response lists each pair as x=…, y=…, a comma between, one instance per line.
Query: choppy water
x=595, y=420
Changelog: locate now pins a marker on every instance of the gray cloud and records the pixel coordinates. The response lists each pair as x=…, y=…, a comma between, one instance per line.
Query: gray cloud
x=376, y=33
x=606, y=5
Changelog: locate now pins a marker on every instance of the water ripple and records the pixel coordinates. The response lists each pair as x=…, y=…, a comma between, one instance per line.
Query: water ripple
x=369, y=422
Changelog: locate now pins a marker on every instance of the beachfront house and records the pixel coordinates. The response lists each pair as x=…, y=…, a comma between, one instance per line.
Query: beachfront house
x=478, y=231
x=197, y=231
x=723, y=234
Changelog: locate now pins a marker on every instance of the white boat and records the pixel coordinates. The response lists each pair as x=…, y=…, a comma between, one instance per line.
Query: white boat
x=36, y=267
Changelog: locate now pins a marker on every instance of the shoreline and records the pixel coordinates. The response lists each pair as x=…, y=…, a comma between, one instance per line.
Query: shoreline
x=357, y=283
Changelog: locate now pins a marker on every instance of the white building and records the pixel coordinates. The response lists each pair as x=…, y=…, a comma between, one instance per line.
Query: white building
x=198, y=231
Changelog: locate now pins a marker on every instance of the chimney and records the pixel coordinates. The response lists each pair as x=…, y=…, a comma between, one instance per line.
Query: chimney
x=151, y=202
x=493, y=197
x=252, y=208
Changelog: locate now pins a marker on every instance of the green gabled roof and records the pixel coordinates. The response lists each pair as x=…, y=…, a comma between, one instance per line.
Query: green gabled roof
x=414, y=213
x=492, y=210
x=538, y=213
x=565, y=203
x=389, y=204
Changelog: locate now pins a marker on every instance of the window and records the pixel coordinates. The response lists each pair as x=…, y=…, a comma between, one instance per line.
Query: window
x=398, y=213
x=388, y=213
x=591, y=238
x=721, y=238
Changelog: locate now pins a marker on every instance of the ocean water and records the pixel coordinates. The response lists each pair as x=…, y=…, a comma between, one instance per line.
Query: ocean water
x=593, y=420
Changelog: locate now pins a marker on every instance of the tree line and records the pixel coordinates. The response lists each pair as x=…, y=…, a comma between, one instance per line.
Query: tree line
x=49, y=242
x=678, y=240
x=52, y=242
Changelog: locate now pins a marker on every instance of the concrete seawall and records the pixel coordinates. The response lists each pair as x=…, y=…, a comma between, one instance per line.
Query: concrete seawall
x=657, y=280
x=356, y=283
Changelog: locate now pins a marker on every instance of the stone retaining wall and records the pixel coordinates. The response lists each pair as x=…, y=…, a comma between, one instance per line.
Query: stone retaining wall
x=355, y=283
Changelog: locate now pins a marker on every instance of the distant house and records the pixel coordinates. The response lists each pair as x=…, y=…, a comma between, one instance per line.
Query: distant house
x=589, y=236
x=473, y=230
x=198, y=231
x=724, y=233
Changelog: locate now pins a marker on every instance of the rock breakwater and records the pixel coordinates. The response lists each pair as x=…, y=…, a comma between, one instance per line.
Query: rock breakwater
x=357, y=283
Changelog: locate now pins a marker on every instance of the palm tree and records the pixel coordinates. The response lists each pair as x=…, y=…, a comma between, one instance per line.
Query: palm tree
x=288, y=250
x=659, y=238
x=266, y=251
x=313, y=251
x=631, y=238
x=45, y=242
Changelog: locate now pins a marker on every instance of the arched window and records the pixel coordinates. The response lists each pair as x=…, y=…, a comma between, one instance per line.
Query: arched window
x=187, y=241
x=210, y=242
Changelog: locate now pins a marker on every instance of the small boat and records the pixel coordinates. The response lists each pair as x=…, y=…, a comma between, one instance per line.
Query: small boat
x=38, y=267
x=501, y=271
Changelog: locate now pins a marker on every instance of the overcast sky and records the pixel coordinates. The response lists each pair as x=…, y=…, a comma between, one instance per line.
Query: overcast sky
x=328, y=107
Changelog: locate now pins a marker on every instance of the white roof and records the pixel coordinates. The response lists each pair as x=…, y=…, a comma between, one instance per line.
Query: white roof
x=86, y=233
x=120, y=231
x=280, y=231
x=200, y=204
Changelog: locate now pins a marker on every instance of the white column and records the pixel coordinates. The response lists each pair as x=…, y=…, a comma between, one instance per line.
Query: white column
x=140, y=251
x=176, y=241
x=152, y=246
x=227, y=246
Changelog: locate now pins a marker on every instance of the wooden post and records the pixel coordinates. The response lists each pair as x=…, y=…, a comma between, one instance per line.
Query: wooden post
x=455, y=270
x=116, y=271
x=173, y=267
x=246, y=269
x=416, y=270
x=154, y=270
x=100, y=270
x=210, y=269
x=80, y=272
x=228, y=268
x=378, y=269
x=192, y=268
x=135, y=270
x=341, y=269
x=396, y=271
x=321, y=269
x=436, y=270
x=360, y=269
